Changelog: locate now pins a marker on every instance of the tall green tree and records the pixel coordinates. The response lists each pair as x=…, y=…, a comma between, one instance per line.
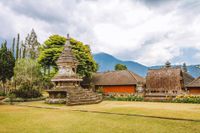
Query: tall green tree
x=13, y=46
x=17, y=47
x=50, y=51
x=82, y=52
x=27, y=71
x=32, y=45
x=48, y=58
x=23, y=52
x=120, y=67
x=53, y=47
x=7, y=63
x=20, y=53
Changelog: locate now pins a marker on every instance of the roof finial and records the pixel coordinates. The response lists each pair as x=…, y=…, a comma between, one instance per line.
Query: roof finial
x=167, y=64
x=67, y=43
x=68, y=36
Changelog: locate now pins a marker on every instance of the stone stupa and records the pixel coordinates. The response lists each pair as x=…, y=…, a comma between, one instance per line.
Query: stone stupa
x=67, y=83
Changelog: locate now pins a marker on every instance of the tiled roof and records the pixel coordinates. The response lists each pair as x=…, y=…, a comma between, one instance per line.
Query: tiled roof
x=123, y=77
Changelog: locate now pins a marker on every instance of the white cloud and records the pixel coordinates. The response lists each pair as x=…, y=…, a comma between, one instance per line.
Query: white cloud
x=146, y=31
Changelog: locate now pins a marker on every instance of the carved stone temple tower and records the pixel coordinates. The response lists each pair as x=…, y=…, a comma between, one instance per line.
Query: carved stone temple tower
x=67, y=89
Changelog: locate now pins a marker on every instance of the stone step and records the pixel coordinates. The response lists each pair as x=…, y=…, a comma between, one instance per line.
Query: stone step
x=84, y=96
x=81, y=92
x=79, y=102
x=74, y=98
x=89, y=99
x=82, y=103
x=81, y=96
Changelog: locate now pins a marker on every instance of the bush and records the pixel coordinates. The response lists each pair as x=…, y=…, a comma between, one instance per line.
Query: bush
x=2, y=93
x=125, y=98
x=11, y=97
x=24, y=99
x=46, y=82
x=187, y=99
x=27, y=91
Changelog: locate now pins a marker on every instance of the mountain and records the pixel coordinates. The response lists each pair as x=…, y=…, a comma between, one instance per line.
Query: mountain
x=194, y=70
x=107, y=63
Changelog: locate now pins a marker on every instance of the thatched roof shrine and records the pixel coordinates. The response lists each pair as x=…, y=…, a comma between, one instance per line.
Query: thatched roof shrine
x=167, y=79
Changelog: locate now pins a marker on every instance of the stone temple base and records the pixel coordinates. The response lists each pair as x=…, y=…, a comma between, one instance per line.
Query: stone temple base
x=81, y=96
x=77, y=96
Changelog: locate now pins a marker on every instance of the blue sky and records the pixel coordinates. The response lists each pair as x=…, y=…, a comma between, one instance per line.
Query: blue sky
x=147, y=31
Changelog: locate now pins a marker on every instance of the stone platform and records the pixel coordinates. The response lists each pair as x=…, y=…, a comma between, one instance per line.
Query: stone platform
x=78, y=96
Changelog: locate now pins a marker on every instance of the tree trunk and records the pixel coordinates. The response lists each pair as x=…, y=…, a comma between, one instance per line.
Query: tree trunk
x=45, y=70
x=17, y=48
x=15, y=84
x=4, y=87
x=48, y=70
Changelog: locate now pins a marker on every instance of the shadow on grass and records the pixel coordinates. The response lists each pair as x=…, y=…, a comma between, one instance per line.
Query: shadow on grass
x=120, y=114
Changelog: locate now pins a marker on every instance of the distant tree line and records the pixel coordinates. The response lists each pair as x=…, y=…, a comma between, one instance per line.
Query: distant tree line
x=26, y=49
x=119, y=67
x=7, y=63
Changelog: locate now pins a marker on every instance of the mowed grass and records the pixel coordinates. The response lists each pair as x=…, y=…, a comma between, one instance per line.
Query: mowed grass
x=20, y=119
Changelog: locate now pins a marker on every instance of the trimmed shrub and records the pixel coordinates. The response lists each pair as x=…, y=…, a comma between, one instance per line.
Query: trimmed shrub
x=11, y=97
x=27, y=91
x=24, y=99
x=125, y=98
x=2, y=93
x=187, y=99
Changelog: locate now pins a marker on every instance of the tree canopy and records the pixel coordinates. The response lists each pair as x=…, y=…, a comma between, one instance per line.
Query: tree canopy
x=27, y=71
x=87, y=64
x=50, y=51
x=31, y=46
x=120, y=67
x=53, y=47
x=7, y=63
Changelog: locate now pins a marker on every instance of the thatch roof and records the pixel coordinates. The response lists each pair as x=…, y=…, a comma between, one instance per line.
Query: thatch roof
x=123, y=77
x=187, y=78
x=167, y=79
x=194, y=83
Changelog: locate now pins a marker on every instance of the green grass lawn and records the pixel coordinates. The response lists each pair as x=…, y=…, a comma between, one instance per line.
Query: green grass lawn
x=20, y=119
